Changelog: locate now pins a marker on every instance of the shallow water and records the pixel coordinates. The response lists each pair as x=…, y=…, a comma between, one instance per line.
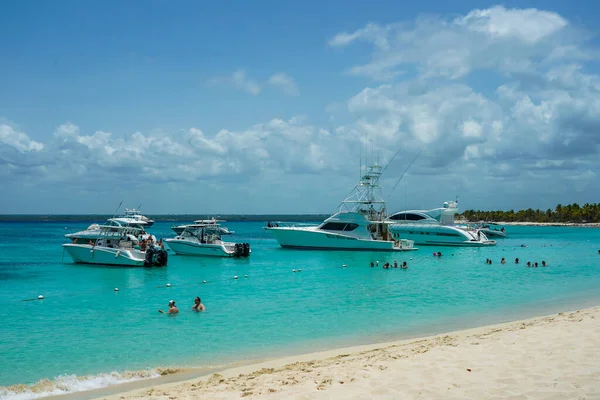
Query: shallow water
x=84, y=327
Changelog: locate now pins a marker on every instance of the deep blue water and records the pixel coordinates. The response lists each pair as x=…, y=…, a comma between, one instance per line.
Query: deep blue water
x=84, y=327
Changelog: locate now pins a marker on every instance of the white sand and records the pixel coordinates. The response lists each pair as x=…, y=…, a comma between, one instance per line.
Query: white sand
x=587, y=225
x=553, y=357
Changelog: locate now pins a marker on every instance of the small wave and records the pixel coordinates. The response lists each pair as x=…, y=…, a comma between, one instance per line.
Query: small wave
x=64, y=384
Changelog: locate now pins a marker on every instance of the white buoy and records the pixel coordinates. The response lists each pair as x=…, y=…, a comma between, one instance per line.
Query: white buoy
x=245, y=276
x=235, y=277
x=40, y=297
x=411, y=258
x=203, y=281
x=293, y=270
x=299, y=270
x=168, y=285
x=344, y=266
x=116, y=289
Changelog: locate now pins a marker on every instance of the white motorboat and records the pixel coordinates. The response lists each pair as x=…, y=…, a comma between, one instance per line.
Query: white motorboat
x=178, y=229
x=204, y=239
x=436, y=228
x=112, y=229
x=486, y=227
x=358, y=224
x=135, y=214
x=118, y=246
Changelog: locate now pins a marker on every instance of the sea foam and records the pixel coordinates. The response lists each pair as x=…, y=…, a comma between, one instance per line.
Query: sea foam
x=64, y=384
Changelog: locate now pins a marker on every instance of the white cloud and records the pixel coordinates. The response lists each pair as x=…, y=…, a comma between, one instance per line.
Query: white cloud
x=526, y=25
x=240, y=80
x=499, y=39
x=285, y=83
x=19, y=141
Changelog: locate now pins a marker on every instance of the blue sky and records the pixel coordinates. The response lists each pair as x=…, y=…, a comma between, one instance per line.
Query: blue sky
x=227, y=107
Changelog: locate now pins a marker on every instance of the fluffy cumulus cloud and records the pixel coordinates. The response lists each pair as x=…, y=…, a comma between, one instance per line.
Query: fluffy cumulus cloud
x=500, y=39
x=272, y=149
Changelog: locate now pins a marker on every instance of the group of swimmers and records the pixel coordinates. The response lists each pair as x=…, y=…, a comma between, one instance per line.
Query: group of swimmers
x=529, y=263
x=388, y=266
x=198, y=306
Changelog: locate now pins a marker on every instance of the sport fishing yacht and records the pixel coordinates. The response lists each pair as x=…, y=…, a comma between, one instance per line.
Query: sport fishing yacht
x=204, y=239
x=436, y=227
x=116, y=246
x=358, y=224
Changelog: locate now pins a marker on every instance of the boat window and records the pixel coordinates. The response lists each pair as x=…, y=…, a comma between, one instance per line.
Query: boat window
x=447, y=234
x=407, y=217
x=339, y=226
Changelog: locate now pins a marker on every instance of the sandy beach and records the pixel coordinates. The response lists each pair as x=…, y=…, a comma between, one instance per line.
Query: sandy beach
x=574, y=224
x=551, y=357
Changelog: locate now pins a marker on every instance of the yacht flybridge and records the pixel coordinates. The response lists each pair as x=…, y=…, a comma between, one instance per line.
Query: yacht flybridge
x=178, y=229
x=436, y=227
x=358, y=224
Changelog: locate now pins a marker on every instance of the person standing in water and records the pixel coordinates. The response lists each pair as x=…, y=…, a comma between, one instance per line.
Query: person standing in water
x=172, y=308
x=198, y=306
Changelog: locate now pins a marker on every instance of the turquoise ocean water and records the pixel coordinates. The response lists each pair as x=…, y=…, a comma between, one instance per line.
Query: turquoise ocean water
x=84, y=328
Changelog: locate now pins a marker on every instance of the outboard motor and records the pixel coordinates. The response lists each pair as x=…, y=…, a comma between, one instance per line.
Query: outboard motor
x=238, y=250
x=149, y=258
x=161, y=258
x=246, y=249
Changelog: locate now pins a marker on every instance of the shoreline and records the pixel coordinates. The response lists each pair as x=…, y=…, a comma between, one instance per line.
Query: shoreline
x=345, y=372
x=572, y=224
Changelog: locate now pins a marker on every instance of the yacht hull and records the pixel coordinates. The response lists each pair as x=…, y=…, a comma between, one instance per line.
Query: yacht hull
x=493, y=233
x=432, y=235
x=299, y=238
x=86, y=254
x=190, y=248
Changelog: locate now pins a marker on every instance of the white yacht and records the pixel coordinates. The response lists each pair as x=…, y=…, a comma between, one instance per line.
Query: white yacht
x=204, y=239
x=436, y=228
x=115, y=246
x=358, y=224
x=135, y=214
x=112, y=229
x=178, y=229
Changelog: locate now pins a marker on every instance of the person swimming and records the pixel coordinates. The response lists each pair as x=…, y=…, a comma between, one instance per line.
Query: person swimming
x=395, y=264
x=544, y=264
x=198, y=306
x=404, y=266
x=516, y=260
x=503, y=261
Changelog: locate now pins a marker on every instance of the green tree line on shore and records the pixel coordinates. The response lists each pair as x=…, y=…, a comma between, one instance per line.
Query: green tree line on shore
x=573, y=213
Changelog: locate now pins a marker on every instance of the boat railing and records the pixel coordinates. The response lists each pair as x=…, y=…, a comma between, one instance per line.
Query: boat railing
x=289, y=224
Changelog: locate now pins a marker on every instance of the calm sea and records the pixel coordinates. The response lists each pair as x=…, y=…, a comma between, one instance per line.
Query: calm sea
x=84, y=335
